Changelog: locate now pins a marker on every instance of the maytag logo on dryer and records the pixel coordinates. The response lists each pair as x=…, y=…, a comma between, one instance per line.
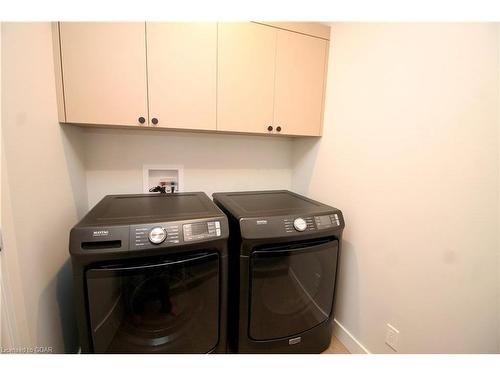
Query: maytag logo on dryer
x=261, y=222
x=100, y=233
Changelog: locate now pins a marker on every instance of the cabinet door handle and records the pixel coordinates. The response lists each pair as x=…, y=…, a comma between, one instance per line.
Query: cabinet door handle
x=154, y=120
x=278, y=128
x=141, y=120
x=270, y=128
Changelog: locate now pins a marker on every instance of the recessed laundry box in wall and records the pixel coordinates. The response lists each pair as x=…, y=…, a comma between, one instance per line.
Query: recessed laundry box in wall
x=170, y=178
x=150, y=275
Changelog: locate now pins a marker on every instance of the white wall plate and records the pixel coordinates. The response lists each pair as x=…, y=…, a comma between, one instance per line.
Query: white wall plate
x=154, y=174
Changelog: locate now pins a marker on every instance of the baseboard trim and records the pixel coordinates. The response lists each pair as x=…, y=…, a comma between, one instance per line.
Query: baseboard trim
x=346, y=338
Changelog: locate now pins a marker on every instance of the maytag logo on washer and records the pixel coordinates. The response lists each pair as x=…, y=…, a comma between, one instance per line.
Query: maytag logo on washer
x=101, y=233
x=261, y=222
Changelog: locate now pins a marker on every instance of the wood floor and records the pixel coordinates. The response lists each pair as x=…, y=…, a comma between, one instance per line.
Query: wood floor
x=336, y=347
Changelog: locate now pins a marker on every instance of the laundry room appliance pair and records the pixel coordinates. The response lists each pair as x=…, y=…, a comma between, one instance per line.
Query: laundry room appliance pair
x=175, y=273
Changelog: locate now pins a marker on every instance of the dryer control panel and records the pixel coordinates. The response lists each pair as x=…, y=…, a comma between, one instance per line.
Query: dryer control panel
x=327, y=221
x=287, y=226
x=311, y=223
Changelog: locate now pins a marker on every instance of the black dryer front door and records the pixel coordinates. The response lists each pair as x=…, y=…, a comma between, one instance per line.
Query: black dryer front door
x=291, y=288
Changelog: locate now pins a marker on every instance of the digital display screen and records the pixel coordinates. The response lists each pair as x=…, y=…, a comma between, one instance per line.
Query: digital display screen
x=199, y=228
x=323, y=220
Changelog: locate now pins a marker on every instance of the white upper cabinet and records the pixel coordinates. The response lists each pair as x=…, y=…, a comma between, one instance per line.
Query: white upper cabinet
x=182, y=71
x=104, y=72
x=270, y=80
x=300, y=83
x=245, y=77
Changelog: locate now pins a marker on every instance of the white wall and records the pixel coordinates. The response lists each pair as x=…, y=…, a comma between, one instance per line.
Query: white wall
x=114, y=160
x=42, y=172
x=410, y=155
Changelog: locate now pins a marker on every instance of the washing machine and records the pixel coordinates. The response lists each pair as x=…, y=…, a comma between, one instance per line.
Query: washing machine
x=283, y=262
x=150, y=275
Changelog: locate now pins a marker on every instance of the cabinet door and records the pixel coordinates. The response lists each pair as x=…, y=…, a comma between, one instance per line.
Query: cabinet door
x=104, y=72
x=182, y=73
x=300, y=82
x=246, y=55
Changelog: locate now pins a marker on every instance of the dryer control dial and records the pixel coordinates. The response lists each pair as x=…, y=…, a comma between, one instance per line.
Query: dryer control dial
x=157, y=235
x=300, y=224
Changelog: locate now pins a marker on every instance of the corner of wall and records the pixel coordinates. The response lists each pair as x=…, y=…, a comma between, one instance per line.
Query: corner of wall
x=304, y=154
x=73, y=139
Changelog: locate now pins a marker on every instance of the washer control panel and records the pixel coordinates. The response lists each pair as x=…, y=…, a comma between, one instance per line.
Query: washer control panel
x=300, y=224
x=146, y=236
x=201, y=230
x=157, y=235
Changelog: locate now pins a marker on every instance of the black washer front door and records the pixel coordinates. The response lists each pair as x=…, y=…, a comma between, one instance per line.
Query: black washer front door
x=170, y=306
x=291, y=289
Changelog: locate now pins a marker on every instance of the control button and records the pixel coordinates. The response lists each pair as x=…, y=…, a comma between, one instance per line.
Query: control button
x=157, y=235
x=218, y=231
x=217, y=224
x=300, y=224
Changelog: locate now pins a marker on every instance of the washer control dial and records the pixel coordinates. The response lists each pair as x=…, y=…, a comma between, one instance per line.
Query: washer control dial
x=300, y=224
x=157, y=235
